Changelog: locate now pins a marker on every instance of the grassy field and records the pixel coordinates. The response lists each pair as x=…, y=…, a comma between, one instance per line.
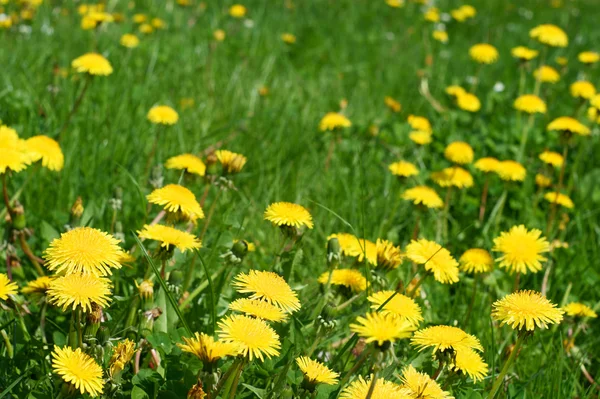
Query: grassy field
x=254, y=94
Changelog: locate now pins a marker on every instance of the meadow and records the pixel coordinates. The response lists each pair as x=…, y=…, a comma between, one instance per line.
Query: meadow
x=299, y=199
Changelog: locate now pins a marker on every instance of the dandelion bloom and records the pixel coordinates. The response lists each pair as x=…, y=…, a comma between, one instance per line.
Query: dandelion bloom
x=237, y=11
x=552, y=158
x=560, y=199
x=122, y=355
x=7, y=287
x=417, y=385
x=484, y=53
x=542, y=181
x=487, y=164
x=392, y=104
x=588, y=57
x=46, y=149
x=440, y=35
x=145, y=289
x=454, y=176
x=523, y=53
x=476, y=260
x=566, y=124
x=576, y=309
x=163, y=115
x=511, y=171
x=129, y=40
x=441, y=338
x=455, y=91
x=38, y=286
x=435, y=258
x=316, y=372
x=395, y=3
x=382, y=328
x=188, y=162
x=254, y=337
x=423, y=195
x=388, y=255
x=403, y=169
x=139, y=18
x=419, y=123
x=357, y=247
x=468, y=102
x=83, y=290
x=14, y=154
x=92, y=63
x=178, y=201
x=269, y=287
x=464, y=12
x=470, y=363
x=350, y=278
x=205, y=348
x=288, y=38
x=399, y=306
x=333, y=121
x=420, y=137
x=432, y=14
x=169, y=236
x=521, y=249
x=146, y=29
x=582, y=89
x=526, y=309
x=288, y=214
x=219, y=35
x=359, y=389
x=258, y=308
x=78, y=369
x=84, y=250
x=550, y=35
x=530, y=103
x=546, y=74
x=158, y=23
x=459, y=152
x=230, y=161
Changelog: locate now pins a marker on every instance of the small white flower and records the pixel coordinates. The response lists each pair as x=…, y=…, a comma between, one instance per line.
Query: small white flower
x=499, y=87
x=445, y=17
x=248, y=23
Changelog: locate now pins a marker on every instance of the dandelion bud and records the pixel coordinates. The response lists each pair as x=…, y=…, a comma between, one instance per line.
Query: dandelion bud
x=334, y=251
x=19, y=222
x=240, y=249
x=146, y=289
x=77, y=208
x=103, y=335
x=176, y=278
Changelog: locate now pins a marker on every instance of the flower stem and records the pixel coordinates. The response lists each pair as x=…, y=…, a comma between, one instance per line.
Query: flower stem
x=484, y=196
x=472, y=302
x=211, y=211
x=554, y=205
x=27, y=251
x=9, y=209
x=233, y=368
x=76, y=105
x=511, y=358
x=359, y=362
x=236, y=380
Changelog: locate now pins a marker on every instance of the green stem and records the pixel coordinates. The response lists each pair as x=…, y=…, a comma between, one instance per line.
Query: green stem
x=9, y=347
x=79, y=331
x=415, y=289
x=198, y=290
x=361, y=360
x=472, y=302
x=236, y=380
x=211, y=211
x=76, y=105
x=511, y=358
x=372, y=385
x=225, y=378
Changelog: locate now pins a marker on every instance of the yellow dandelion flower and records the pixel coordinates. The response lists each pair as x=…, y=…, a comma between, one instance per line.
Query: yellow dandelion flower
x=231, y=161
x=139, y=18
x=417, y=385
x=349, y=243
x=269, y=287
x=46, y=149
x=14, y=154
x=288, y=214
x=550, y=35
x=442, y=338
x=316, y=372
x=145, y=289
x=205, y=348
x=470, y=363
x=521, y=249
x=542, y=181
x=468, y=102
x=388, y=255
x=476, y=260
x=333, y=121
x=566, y=124
x=400, y=306
x=562, y=61
x=487, y=164
x=254, y=337
x=588, y=57
x=288, y=38
x=392, y=104
x=526, y=309
x=423, y=195
x=158, y=23
x=92, y=63
x=129, y=40
x=146, y=29
x=459, y=152
x=122, y=355
x=168, y=236
x=180, y=202
x=530, y=103
x=440, y=35
x=484, y=53
x=395, y=3
x=237, y=11
x=419, y=123
x=454, y=176
x=582, y=89
x=523, y=53
x=75, y=290
x=38, y=286
x=432, y=15
x=78, y=369
x=576, y=309
x=258, y=308
x=546, y=74
x=435, y=258
x=455, y=91
x=350, y=278
x=163, y=115
x=560, y=199
x=219, y=35
x=511, y=171
x=84, y=250
x=403, y=169
x=359, y=389
x=420, y=138
x=462, y=13
x=552, y=158
x=7, y=287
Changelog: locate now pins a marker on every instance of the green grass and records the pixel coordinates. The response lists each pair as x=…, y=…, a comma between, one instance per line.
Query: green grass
x=356, y=50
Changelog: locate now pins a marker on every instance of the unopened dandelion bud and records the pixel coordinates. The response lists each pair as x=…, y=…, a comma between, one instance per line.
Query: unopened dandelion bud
x=176, y=278
x=240, y=249
x=334, y=251
x=77, y=208
x=19, y=222
x=103, y=335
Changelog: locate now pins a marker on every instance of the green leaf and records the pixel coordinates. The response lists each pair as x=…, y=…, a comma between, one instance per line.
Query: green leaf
x=139, y=393
x=260, y=393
